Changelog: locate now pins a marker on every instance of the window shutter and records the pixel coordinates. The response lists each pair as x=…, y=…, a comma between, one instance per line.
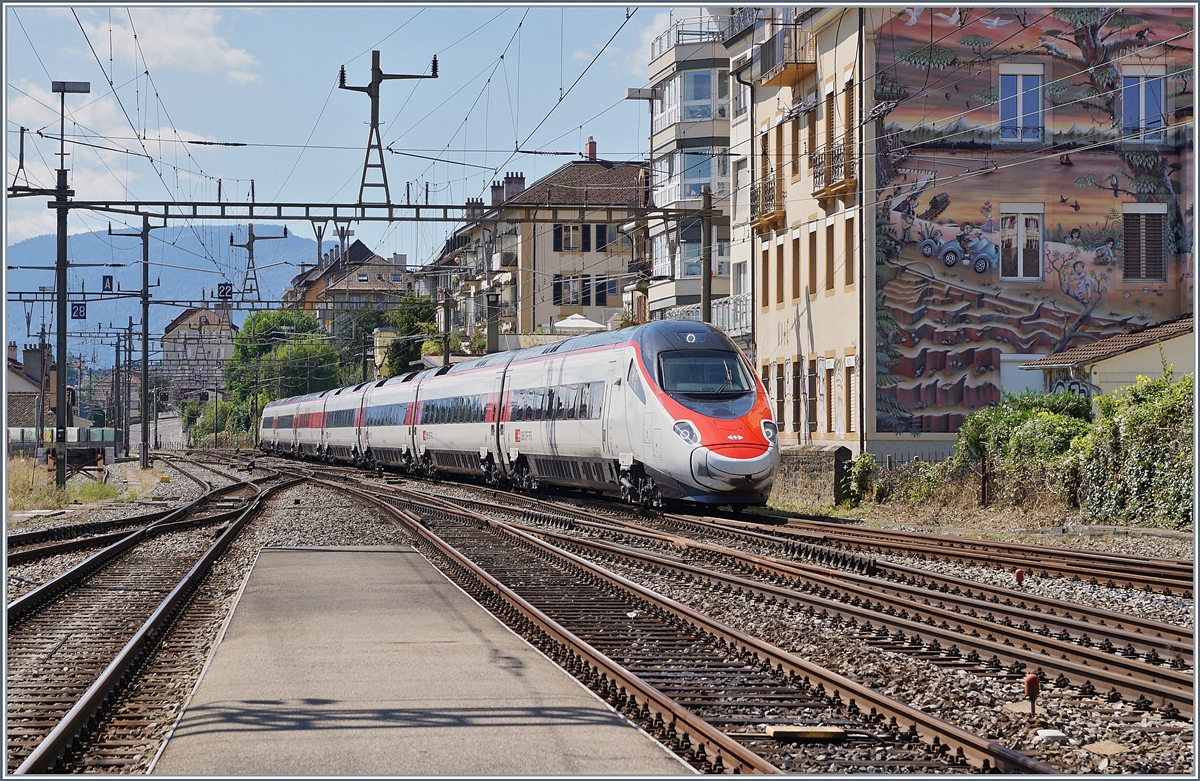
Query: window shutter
x=601, y=289
x=587, y=237
x=557, y=237
x=587, y=285
x=1144, y=255
x=601, y=237
x=557, y=284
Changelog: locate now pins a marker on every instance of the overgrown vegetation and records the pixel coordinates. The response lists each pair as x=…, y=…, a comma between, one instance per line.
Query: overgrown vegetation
x=1131, y=464
x=31, y=487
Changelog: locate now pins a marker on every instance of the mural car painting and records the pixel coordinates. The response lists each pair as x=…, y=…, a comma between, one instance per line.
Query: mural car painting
x=1058, y=141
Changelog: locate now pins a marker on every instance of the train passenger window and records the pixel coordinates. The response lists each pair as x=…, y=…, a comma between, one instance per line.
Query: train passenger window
x=573, y=401
x=585, y=394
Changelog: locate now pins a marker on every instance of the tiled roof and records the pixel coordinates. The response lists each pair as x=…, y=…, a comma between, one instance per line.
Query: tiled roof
x=1114, y=345
x=584, y=182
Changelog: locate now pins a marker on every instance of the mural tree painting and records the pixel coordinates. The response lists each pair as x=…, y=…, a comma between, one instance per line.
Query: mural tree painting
x=1099, y=36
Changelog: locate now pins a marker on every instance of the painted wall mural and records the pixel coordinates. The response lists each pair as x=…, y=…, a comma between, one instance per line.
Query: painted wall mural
x=1034, y=176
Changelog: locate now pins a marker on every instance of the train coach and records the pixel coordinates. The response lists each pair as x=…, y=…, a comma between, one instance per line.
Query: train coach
x=665, y=411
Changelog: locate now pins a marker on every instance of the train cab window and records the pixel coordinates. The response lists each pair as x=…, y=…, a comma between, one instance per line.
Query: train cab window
x=714, y=383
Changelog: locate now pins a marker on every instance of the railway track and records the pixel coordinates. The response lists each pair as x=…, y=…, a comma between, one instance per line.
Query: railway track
x=964, y=629
x=1167, y=576
x=75, y=641
x=717, y=696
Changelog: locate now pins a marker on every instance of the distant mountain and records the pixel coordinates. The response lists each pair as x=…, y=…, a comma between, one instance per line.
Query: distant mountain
x=187, y=266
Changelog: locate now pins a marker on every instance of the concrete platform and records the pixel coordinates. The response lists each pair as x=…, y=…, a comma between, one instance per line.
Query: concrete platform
x=363, y=661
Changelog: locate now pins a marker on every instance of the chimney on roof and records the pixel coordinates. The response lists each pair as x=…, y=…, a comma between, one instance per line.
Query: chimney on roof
x=32, y=359
x=591, y=148
x=474, y=207
x=497, y=193
x=12, y=351
x=514, y=185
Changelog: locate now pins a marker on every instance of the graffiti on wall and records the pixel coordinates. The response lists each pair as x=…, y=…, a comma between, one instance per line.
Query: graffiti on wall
x=1010, y=156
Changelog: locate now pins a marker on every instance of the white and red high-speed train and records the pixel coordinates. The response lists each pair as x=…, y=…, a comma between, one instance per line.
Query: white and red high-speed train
x=669, y=410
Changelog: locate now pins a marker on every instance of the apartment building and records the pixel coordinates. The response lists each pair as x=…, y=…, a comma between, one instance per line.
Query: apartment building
x=938, y=196
x=689, y=149
x=546, y=251
x=196, y=345
x=799, y=214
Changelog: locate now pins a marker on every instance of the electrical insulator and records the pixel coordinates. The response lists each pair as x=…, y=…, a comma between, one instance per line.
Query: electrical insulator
x=434, y=66
x=342, y=77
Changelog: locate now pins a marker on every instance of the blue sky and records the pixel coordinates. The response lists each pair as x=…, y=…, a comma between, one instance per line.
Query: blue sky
x=266, y=76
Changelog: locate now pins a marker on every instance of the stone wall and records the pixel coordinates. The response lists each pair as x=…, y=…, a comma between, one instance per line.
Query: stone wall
x=811, y=476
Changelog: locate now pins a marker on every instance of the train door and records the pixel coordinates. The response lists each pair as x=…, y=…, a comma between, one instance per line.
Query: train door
x=495, y=439
x=615, y=434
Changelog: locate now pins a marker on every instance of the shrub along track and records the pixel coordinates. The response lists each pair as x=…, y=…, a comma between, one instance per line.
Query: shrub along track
x=73, y=642
x=699, y=686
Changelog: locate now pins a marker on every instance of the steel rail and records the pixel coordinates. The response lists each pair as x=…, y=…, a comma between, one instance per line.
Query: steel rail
x=914, y=582
x=1084, y=665
x=1165, y=575
x=20, y=608
x=716, y=743
x=979, y=750
x=51, y=750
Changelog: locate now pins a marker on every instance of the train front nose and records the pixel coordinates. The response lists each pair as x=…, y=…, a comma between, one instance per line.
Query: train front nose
x=735, y=467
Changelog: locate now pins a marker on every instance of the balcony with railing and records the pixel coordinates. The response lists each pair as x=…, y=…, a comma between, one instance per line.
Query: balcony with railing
x=739, y=21
x=696, y=29
x=766, y=202
x=731, y=314
x=786, y=57
x=833, y=170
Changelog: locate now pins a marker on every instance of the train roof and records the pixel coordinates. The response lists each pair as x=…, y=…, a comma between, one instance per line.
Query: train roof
x=657, y=334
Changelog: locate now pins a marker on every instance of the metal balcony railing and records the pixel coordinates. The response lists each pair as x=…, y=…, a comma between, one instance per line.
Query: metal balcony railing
x=696, y=29
x=739, y=21
x=791, y=50
x=766, y=197
x=832, y=165
x=731, y=314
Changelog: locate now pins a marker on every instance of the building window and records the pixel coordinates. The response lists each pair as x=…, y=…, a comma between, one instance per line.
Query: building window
x=568, y=238
x=849, y=251
x=780, y=388
x=1020, y=243
x=795, y=146
x=1143, y=108
x=766, y=276
x=697, y=100
x=1021, y=103
x=812, y=262
x=607, y=288
x=397, y=278
x=796, y=267
x=741, y=99
x=797, y=393
x=779, y=273
x=1144, y=254
x=851, y=394
x=810, y=403
x=829, y=395
x=829, y=259
x=363, y=277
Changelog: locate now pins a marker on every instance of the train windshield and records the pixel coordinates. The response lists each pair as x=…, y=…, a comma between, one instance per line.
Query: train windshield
x=704, y=373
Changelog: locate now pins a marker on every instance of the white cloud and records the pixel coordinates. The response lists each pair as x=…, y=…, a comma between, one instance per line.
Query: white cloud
x=187, y=39
x=579, y=55
x=97, y=172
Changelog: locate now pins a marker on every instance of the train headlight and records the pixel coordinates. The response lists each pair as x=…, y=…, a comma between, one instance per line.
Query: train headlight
x=687, y=432
x=770, y=431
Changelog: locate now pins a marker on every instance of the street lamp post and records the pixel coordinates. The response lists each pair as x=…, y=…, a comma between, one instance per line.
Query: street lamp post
x=62, y=205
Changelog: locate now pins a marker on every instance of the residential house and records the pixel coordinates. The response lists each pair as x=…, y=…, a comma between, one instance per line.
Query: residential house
x=1117, y=361
x=345, y=284
x=196, y=345
x=547, y=251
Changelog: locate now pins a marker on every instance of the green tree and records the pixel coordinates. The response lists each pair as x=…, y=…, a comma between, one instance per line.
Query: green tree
x=281, y=353
x=414, y=316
